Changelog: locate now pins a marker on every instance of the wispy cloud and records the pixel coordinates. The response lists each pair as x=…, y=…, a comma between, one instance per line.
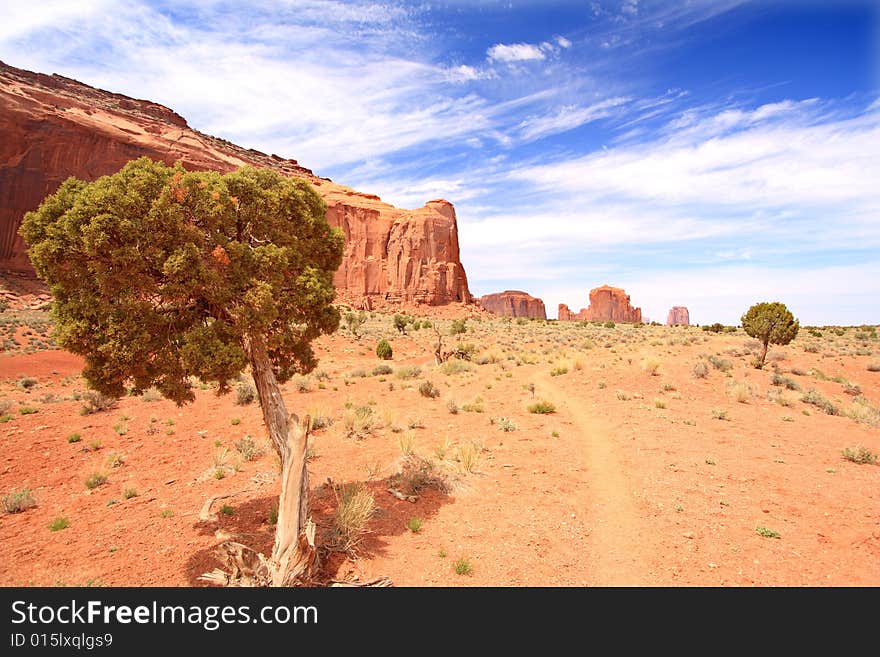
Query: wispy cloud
x=514, y=52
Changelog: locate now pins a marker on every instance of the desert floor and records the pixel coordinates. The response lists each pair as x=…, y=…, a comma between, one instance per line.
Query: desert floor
x=644, y=474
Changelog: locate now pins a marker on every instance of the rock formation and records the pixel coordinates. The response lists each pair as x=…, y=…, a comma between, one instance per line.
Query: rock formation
x=607, y=304
x=54, y=127
x=513, y=303
x=678, y=315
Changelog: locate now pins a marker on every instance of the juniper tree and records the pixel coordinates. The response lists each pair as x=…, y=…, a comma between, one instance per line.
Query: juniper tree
x=769, y=323
x=161, y=276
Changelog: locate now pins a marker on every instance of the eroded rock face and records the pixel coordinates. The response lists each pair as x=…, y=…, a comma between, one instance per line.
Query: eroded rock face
x=53, y=127
x=678, y=315
x=513, y=303
x=607, y=304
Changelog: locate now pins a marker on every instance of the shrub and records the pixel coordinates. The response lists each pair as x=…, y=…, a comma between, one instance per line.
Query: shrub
x=766, y=533
x=18, y=501
x=701, y=370
x=245, y=394
x=721, y=364
x=651, y=366
x=609, y=325
x=414, y=525
x=778, y=380
x=129, y=493
x=58, y=524
x=427, y=389
x=505, y=424
x=407, y=372
x=383, y=350
x=74, y=437
x=559, y=371
x=355, y=506
x=811, y=348
x=860, y=455
x=27, y=382
x=249, y=449
x=458, y=326
x=383, y=369
x=26, y=410
x=96, y=402
x=95, y=479
x=542, y=408
x=717, y=327
x=463, y=567
x=816, y=398
x=451, y=367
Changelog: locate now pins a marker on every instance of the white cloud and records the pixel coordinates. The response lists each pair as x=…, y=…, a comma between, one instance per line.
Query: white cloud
x=775, y=155
x=567, y=117
x=563, y=42
x=514, y=52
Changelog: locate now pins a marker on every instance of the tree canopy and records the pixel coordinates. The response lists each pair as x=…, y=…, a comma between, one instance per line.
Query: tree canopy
x=159, y=274
x=770, y=323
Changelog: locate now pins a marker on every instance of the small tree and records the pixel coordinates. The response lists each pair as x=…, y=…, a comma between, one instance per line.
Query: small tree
x=353, y=322
x=769, y=323
x=160, y=275
x=400, y=322
x=383, y=350
x=458, y=326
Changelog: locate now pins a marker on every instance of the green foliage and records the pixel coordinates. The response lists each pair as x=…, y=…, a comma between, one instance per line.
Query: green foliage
x=245, y=394
x=458, y=326
x=400, y=322
x=717, y=327
x=609, y=325
x=354, y=322
x=861, y=455
x=818, y=400
x=414, y=525
x=428, y=389
x=767, y=533
x=95, y=479
x=58, y=524
x=19, y=500
x=159, y=274
x=463, y=567
x=96, y=402
x=771, y=323
x=542, y=408
x=383, y=350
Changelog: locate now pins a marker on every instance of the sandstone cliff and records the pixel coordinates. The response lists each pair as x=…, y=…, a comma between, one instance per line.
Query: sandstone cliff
x=513, y=303
x=54, y=127
x=607, y=304
x=678, y=315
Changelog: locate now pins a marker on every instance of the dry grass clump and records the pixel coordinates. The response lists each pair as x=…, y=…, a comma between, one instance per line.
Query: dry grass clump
x=651, y=365
x=355, y=506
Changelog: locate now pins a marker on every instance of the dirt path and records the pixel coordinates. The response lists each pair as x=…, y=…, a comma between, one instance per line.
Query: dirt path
x=616, y=526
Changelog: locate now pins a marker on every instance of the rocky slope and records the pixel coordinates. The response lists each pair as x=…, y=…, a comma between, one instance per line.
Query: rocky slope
x=54, y=127
x=513, y=303
x=607, y=304
x=678, y=315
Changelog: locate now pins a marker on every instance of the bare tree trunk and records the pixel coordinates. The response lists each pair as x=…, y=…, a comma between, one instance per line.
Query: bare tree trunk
x=763, y=355
x=294, y=553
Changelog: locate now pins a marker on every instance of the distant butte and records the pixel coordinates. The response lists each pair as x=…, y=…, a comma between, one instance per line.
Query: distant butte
x=513, y=303
x=678, y=316
x=54, y=127
x=607, y=304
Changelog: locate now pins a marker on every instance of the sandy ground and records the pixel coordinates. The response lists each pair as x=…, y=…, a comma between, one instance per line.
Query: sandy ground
x=645, y=474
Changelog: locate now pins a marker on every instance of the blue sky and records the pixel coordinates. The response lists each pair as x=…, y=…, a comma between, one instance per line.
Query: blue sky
x=707, y=153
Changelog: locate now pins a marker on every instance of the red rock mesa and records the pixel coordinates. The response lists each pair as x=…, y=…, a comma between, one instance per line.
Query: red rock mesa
x=678, y=315
x=513, y=303
x=607, y=304
x=54, y=127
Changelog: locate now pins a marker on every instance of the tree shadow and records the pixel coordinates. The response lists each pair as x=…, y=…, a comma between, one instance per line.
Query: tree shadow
x=249, y=524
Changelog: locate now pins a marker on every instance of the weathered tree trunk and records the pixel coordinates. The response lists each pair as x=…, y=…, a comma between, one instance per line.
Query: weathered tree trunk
x=294, y=554
x=763, y=355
